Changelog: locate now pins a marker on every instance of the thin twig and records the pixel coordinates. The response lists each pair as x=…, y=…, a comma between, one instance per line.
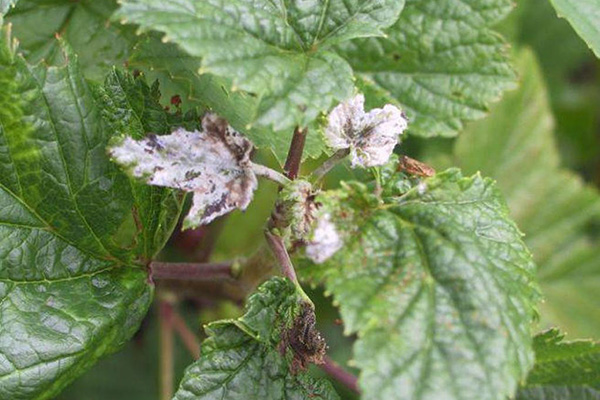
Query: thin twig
x=192, y=271
x=187, y=336
x=270, y=174
x=328, y=165
x=275, y=242
x=339, y=374
x=166, y=365
x=294, y=157
x=278, y=247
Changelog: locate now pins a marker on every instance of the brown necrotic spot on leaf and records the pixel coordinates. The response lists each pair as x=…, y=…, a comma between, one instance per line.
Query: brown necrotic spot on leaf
x=304, y=340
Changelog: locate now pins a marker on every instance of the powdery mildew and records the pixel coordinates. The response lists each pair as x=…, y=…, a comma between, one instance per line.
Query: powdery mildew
x=325, y=241
x=371, y=137
x=214, y=164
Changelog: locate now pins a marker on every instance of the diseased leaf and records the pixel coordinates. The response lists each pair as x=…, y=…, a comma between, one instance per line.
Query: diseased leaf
x=583, y=15
x=242, y=359
x=6, y=5
x=213, y=163
x=325, y=240
x=441, y=61
x=280, y=52
x=553, y=206
x=563, y=370
x=84, y=24
x=438, y=285
x=72, y=283
x=370, y=137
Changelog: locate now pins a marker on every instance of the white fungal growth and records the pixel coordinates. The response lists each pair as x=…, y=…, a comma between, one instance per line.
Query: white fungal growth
x=371, y=137
x=214, y=164
x=325, y=241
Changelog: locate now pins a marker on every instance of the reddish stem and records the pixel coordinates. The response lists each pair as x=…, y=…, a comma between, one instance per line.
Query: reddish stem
x=278, y=247
x=294, y=157
x=191, y=271
x=166, y=365
x=187, y=336
x=334, y=370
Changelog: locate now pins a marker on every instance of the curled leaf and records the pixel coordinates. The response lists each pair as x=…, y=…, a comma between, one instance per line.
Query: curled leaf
x=371, y=137
x=214, y=164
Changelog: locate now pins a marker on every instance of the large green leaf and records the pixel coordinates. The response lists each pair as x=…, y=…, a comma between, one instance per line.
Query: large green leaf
x=438, y=285
x=573, y=94
x=279, y=51
x=583, y=15
x=552, y=205
x=72, y=287
x=563, y=370
x=242, y=359
x=178, y=73
x=440, y=61
x=83, y=24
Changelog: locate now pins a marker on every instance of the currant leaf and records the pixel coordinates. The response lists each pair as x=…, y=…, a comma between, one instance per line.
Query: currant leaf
x=551, y=204
x=72, y=281
x=247, y=358
x=280, y=52
x=563, y=370
x=434, y=279
x=83, y=24
x=441, y=61
x=179, y=74
x=583, y=15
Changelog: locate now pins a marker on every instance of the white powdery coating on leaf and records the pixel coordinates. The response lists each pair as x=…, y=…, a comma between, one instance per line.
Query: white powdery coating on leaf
x=371, y=137
x=325, y=241
x=213, y=164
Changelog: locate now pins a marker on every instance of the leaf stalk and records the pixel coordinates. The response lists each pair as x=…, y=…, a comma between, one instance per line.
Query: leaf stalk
x=270, y=174
x=328, y=165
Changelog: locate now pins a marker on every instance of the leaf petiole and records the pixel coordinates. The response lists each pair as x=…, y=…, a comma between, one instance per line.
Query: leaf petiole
x=328, y=165
x=277, y=245
x=270, y=174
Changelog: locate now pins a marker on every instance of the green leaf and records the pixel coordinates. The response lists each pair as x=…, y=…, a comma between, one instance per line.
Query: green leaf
x=558, y=362
x=563, y=370
x=242, y=359
x=71, y=286
x=558, y=393
x=583, y=15
x=440, y=61
x=572, y=94
x=438, y=285
x=178, y=73
x=83, y=24
x=553, y=206
x=280, y=52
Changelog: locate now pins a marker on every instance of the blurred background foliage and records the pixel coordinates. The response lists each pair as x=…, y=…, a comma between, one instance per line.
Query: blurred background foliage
x=541, y=143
